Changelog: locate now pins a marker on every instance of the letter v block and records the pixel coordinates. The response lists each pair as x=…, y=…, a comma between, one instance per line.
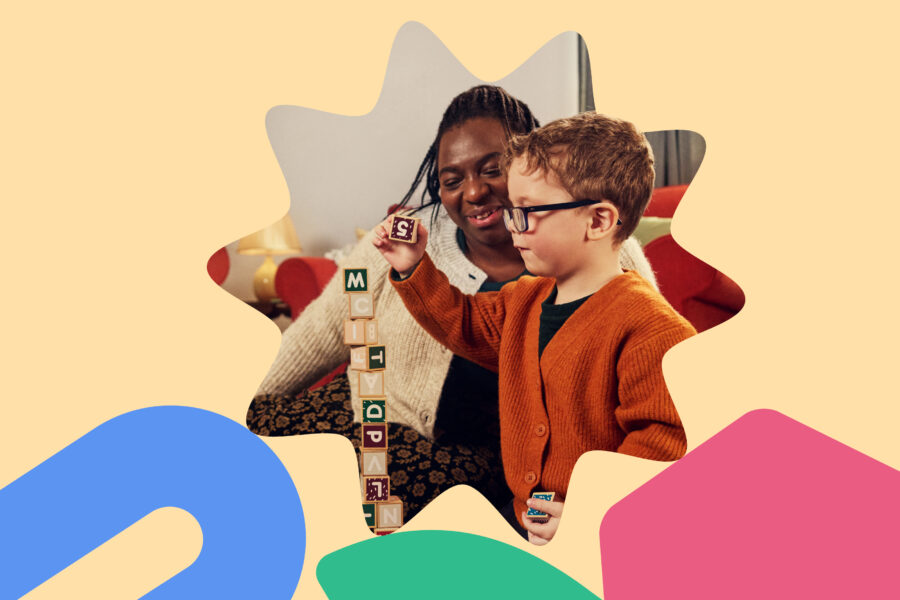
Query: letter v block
x=373, y=463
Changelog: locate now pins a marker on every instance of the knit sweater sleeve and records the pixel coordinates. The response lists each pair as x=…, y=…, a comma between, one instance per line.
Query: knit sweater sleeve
x=468, y=325
x=631, y=258
x=313, y=345
x=646, y=412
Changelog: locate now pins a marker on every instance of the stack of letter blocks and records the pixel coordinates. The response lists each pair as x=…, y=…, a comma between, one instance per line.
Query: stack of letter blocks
x=368, y=360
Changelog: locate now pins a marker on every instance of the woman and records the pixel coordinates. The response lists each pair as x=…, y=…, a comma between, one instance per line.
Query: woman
x=442, y=409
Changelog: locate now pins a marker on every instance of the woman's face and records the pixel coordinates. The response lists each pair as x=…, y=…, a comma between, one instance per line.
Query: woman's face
x=473, y=190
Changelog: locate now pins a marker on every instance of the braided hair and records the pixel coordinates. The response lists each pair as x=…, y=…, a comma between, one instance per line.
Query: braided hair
x=480, y=101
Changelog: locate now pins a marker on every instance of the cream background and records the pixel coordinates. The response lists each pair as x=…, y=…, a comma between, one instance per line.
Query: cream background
x=119, y=181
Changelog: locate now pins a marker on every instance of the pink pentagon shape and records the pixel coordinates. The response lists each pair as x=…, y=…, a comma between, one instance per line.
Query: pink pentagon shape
x=767, y=509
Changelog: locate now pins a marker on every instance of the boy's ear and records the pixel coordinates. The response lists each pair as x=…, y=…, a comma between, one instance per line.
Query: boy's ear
x=604, y=217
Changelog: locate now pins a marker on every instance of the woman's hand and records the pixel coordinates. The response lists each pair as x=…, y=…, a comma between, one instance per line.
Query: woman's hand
x=402, y=257
x=541, y=533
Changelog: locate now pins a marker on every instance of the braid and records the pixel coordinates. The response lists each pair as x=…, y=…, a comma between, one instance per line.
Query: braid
x=480, y=101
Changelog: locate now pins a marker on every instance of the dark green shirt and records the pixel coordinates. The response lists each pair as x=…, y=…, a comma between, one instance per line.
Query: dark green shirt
x=552, y=318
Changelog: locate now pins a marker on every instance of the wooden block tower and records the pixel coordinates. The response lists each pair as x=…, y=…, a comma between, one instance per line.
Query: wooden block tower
x=368, y=363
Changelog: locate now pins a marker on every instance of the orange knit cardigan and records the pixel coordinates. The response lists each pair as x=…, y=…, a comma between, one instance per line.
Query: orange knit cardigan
x=597, y=386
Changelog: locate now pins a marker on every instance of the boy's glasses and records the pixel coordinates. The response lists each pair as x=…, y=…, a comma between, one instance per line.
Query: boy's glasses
x=516, y=218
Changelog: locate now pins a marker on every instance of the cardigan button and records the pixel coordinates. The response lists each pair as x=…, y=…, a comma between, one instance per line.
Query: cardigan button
x=530, y=477
x=540, y=429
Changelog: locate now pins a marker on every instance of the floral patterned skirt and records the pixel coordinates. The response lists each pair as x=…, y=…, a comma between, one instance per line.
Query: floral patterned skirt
x=420, y=469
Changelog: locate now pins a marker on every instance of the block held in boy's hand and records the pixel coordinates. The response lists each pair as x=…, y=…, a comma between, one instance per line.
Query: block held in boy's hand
x=536, y=515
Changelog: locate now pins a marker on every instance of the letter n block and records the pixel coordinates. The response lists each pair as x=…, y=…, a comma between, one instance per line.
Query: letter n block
x=376, y=489
x=374, y=411
x=388, y=514
x=373, y=462
x=404, y=229
x=374, y=436
x=376, y=358
x=361, y=305
x=356, y=280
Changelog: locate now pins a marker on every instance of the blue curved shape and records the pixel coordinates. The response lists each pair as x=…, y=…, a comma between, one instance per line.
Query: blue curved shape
x=230, y=481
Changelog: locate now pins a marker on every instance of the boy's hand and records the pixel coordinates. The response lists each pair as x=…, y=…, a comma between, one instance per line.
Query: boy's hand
x=541, y=533
x=402, y=256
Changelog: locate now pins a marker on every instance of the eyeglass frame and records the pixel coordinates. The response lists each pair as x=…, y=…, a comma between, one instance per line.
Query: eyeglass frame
x=508, y=213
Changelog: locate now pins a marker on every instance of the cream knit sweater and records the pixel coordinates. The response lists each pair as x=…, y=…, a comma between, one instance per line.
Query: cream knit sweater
x=417, y=364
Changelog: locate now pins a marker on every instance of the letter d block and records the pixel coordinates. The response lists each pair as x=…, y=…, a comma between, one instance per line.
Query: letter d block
x=376, y=489
x=376, y=358
x=374, y=436
x=356, y=280
x=403, y=229
x=361, y=305
x=374, y=411
x=388, y=515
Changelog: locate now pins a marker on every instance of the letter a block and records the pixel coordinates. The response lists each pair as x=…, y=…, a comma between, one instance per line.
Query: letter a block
x=356, y=280
x=374, y=436
x=388, y=515
x=374, y=411
x=355, y=332
x=371, y=383
x=369, y=514
x=376, y=489
x=373, y=463
x=361, y=305
x=376, y=358
x=404, y=229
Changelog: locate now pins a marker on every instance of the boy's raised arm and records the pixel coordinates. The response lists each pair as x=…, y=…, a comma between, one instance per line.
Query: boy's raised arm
x=467, y=325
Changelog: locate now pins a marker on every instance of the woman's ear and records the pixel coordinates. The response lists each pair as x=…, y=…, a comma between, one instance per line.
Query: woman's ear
x=604, y=217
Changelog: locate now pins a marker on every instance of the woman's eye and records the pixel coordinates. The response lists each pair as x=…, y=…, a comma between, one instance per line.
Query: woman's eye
x=492, y=171
x=450, y=183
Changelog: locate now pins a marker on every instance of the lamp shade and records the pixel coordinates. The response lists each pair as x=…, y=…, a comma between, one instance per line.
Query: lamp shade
x=278, y=238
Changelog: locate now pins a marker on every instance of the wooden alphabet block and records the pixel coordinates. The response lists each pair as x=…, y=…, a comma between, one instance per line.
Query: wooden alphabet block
x=356, y=280
x=385, y=531
x=358, y=357
x=371, y=384
x=376, y=358
x=371, y=331
x=536, y=515
x=361, y=305
x=404, y=229
x=374, y=436
x=376, y=489
x=388, y=514
x=355, y=332
x=374, y=410
x=369, y=514
x=373, y=463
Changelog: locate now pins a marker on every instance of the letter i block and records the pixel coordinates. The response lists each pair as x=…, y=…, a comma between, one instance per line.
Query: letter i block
x=355, y=332
x=404, y=229
x=373, y=463
x=376, y=358
x=374, y=436
x=374, y=411
x=361, y=305
x=356, y=280
x=369, y=514
x=536, y=515
x=371, y=384
x=358, y=357
x=371, y=331
x=376, y=489
x=388, y=515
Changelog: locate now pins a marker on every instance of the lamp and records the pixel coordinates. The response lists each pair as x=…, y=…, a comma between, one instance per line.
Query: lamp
x=278, y=238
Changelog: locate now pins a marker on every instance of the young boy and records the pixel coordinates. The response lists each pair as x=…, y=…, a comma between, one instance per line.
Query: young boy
x=578, y=347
